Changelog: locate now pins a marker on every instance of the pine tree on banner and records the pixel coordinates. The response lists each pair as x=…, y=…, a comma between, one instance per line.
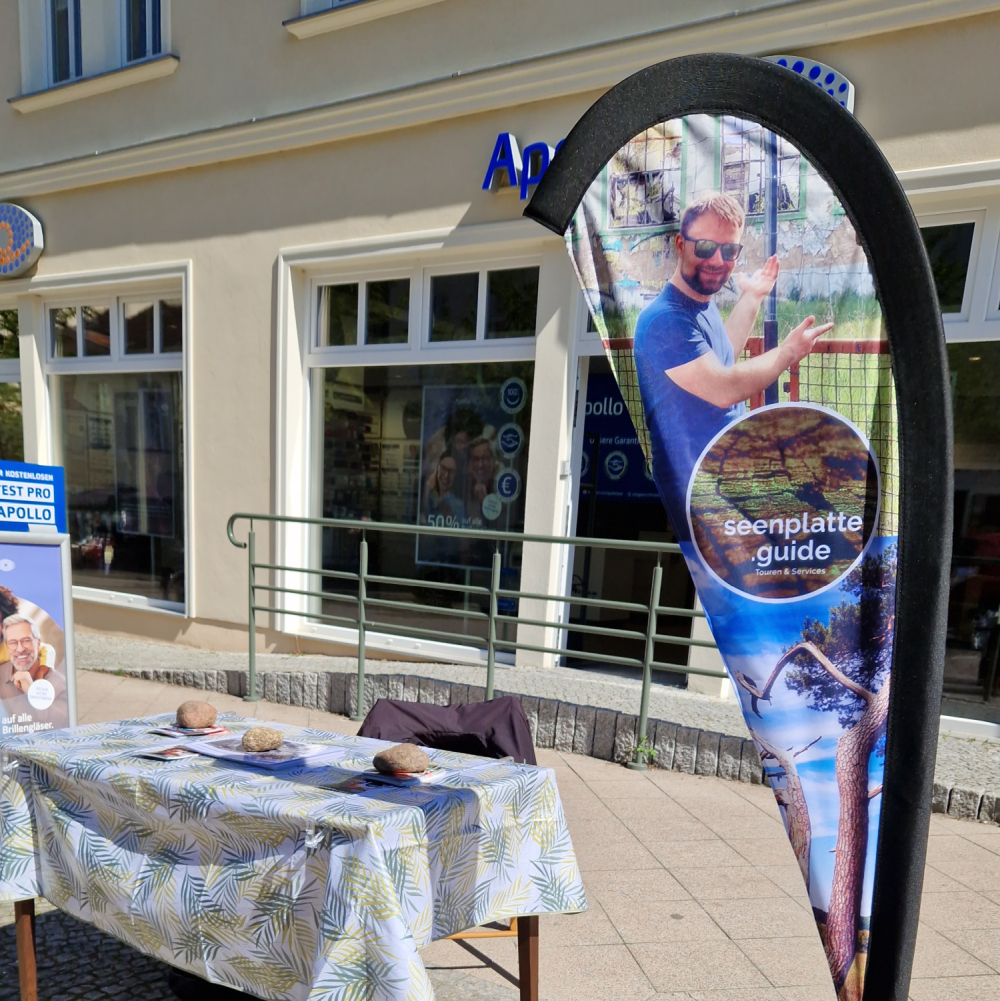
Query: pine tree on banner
x=842, y=667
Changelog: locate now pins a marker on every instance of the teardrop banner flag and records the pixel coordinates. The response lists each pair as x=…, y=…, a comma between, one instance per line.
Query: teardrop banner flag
x=765, y=302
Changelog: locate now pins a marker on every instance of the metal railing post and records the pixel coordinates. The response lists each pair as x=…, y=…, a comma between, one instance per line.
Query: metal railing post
x=252, y=695
x=362, y=574
x=491, y=639
x=647, y=671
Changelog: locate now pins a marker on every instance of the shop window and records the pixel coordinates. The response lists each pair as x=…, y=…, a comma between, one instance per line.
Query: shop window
x=338, y=312
x=139, y=338
x=483, y=305
x=171, y=326
x=454, y=305
x=949, y=249
x=511, y=303
x=387, y=312
x=10, y=346
x=62, y=332
x=975, y=581
x=441, y=445
x=96, y=331
x=148, y=327
x=11, y=427
x=463, y=307
x=119, y=436
x=378, y=310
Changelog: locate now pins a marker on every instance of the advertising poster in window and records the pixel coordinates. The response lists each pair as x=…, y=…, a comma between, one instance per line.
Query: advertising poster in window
x=739, y=315
x=473, y=462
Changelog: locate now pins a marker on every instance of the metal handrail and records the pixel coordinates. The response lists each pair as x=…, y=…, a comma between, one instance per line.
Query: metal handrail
x=359, y=615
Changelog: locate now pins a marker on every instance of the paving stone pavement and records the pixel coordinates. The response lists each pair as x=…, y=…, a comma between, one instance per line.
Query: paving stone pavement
x=693, y=892
x=79, y=963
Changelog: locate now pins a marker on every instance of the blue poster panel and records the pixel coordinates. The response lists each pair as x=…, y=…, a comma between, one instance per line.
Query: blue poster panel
x=739, y=314
x=32, y=498
x=613, y=460
x=473, y=460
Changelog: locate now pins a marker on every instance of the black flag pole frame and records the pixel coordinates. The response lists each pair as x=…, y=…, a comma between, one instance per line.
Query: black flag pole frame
x=856, y=170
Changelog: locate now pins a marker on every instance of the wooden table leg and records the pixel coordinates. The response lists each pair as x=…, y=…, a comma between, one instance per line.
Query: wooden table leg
x=24, y=926
x=527, y=956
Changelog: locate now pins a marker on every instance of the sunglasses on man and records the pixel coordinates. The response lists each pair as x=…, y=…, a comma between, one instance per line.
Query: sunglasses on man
x=704, y=249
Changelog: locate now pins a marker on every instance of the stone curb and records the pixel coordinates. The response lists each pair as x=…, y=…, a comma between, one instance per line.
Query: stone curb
x=600, y=733
x=966, y=804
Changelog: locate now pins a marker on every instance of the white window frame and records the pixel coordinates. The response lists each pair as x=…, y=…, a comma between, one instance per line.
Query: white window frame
x=75, y=72
x=118, y=360
x=120, y=46
x=483, y=269
x=418, y=348
x=123, y=35
x=168, y=281
x=979, y=318
x=301, y=272
x=978, y=218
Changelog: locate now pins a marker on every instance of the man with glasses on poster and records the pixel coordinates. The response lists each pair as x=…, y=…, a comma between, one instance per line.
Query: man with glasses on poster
x=30, y=693
x=685, y=354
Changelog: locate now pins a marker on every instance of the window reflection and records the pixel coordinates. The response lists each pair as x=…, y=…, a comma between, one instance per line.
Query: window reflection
x=119, y=438
x=439, y=445
x=454, y=306
x=949, y=248
x=96, y=331
x=975, y=580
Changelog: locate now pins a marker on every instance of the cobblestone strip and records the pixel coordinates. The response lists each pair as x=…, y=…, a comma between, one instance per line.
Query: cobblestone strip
x=599, y=733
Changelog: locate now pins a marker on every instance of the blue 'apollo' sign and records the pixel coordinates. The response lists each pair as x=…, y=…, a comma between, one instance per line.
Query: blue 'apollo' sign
x=511, y=167
x=32, y=498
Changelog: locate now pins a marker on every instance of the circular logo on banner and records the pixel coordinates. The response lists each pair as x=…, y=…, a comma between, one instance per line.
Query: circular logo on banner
x=513, y=395
x=510, y=440
x=6, y=565
x=508, y=485
x=41, y=694
x=491, y=507
x=616, y=465
x=783, y=501
x=20, y=240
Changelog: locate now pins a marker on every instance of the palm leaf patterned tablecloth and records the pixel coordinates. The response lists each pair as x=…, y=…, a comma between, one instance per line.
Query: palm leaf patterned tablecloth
x=282, y=884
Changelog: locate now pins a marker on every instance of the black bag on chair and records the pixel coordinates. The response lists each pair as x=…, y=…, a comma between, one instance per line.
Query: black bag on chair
x=495, y=729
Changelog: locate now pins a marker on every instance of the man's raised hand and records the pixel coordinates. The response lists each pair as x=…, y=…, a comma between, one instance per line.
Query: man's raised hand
x=801, y=340
x=760, y=283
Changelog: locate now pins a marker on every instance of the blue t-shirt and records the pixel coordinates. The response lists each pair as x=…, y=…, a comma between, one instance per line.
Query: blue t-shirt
x=673, y=330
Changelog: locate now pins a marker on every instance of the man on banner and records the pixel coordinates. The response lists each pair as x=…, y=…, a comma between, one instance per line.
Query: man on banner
x=28, y=689
x=685, y=355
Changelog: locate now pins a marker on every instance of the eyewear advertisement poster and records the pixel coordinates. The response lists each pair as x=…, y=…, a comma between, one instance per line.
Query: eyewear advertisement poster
x=37, y=690
x=739, y=315
x=613, y=460
x=473, y=455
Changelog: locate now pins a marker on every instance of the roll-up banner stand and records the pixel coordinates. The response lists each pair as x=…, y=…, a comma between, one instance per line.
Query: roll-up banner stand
x=37, y=678
x=759, y=282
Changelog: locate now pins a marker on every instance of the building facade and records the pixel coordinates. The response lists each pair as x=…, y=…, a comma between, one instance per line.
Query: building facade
x=277, y=278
